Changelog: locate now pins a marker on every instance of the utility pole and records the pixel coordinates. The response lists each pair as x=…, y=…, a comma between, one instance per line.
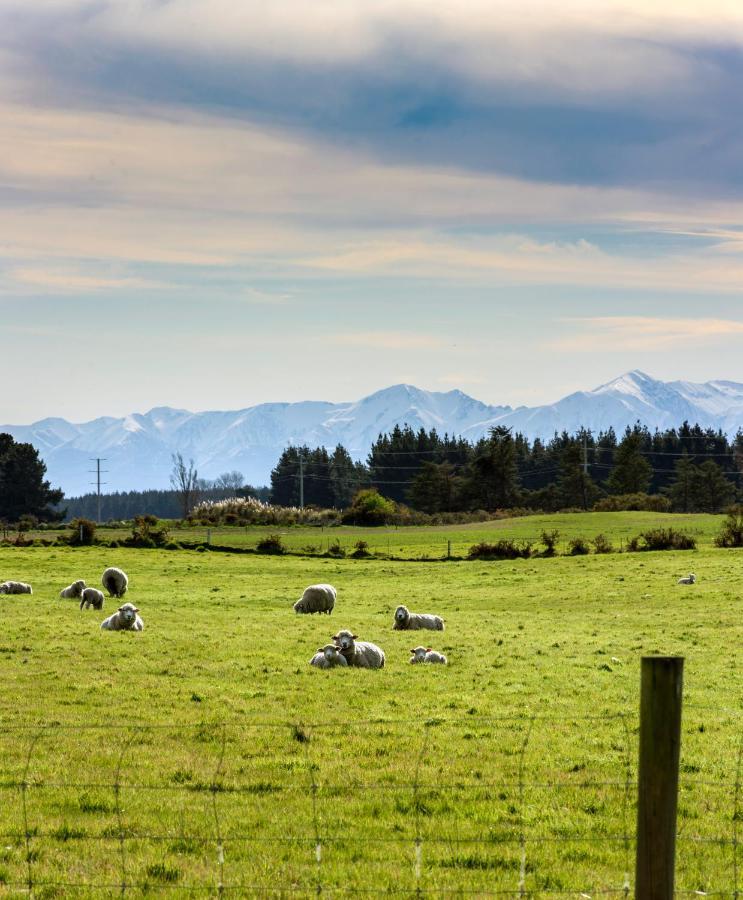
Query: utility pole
x=98, y=472
x=301, y=480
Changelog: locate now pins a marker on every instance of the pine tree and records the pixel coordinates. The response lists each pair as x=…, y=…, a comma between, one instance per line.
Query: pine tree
x=681, y=491
x=632, y=473
x=23, y=489
x=711, y=490
x=493, y=481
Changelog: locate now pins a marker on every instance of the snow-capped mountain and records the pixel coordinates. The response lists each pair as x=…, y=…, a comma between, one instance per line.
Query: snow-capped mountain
x=138, y=448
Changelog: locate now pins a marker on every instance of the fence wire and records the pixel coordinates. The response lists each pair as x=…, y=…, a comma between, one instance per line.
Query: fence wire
x=439, y=814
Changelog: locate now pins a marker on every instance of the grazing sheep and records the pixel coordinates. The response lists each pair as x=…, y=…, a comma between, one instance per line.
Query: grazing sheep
x=73, y=591
x=407, y=621
x=15, y=587
x=690, y=579
x=115, y=582
x=317, y=598
x=92, y=597
x=362, y=654
x=427, y=655
x=125, y=618
x=328, y=657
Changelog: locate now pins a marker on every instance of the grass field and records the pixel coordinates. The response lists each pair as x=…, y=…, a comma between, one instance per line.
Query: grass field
x=144, y=753
x=433, y=541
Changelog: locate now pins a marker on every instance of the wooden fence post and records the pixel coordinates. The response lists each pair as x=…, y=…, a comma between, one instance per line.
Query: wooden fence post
x=658, y=776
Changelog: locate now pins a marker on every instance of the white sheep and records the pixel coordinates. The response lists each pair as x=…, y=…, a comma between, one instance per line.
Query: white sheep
x=92, y=597
x=72, y=591
x=407, y=621
x=126, y=618
x=317, y=598
x=690, y=579
x=15, y=587
x=427, y=655
x=362, y=654
x=328, y=657
x=115, y=582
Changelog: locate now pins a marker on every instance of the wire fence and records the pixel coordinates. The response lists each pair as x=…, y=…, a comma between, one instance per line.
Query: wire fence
x=525, y=805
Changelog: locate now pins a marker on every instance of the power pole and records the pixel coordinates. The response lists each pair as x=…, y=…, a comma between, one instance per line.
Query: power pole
x=301, y=481
x=98, y=472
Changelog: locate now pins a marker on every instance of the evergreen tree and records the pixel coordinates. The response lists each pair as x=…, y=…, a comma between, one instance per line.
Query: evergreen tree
x=712, y=491
x=681, y=491
x=435, y=488
x=632, y=473
x=492, y=481
x=23, y=489
x=576, y=486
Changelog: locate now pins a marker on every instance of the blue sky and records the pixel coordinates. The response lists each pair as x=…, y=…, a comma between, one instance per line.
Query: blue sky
x=210, y=205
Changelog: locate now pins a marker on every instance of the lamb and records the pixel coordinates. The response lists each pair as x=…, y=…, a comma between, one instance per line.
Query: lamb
x=328, y=657
x=15, y=587
x=91, y=597
x=317, y=598
x=115, y=582
x=690, y=579
x=362, y=654
x=73, y=591
x=126, y=618
x=407, y=621
x=427, y=655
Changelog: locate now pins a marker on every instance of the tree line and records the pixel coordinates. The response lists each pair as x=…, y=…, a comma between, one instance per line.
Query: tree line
x=695, y=469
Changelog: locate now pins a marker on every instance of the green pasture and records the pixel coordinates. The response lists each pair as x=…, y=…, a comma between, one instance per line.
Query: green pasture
x=206, y=750
x=434, y=541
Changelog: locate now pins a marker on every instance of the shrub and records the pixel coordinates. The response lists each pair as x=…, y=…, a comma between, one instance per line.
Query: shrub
x=361, y=550
x=578, y=546
x=335, y=549
x=633, y=502
x=82, y=532
x=148, y=531
x=503, y=549
x=369, y=507
x=662, y=539
x=272, y=543
x=731, y=533
x=602, y=544
x=549, y=539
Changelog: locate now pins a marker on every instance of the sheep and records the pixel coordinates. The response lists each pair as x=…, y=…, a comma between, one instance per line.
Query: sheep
x=15, y=587
x=407, y=621
x=427, y=655
x=73, y=591
x=328, y=657
x=362, y=654
x=690, y=579
x=317, y=598
x=126, y=618
x=115, y=582
x=92, y=597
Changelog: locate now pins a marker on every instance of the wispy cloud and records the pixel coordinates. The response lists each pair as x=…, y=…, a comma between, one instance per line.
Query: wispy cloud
x=643, y=333
x=75, y=282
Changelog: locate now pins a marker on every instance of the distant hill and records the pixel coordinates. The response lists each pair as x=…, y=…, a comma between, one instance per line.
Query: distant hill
x=138, y=447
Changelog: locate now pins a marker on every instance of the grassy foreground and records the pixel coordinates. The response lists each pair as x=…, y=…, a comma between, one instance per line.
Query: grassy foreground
x=144, y=754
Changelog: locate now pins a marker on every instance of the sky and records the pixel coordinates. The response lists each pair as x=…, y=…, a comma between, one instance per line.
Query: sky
x=209, y=204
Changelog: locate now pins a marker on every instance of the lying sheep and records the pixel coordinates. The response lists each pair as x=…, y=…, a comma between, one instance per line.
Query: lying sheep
x=126, y=618
x=115, y=582
x=407, y=621
x=427, y=655
x=92, y=597
x=15, y=587
x=73, y=591
x=690, y=579
x=328, y=657
x=362, y=654
x=317, y=598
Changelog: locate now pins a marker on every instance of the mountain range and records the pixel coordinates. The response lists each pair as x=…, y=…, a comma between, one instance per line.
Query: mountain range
x=138, y=448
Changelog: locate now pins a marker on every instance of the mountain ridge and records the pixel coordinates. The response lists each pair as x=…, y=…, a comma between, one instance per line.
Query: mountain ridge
x=138, y=447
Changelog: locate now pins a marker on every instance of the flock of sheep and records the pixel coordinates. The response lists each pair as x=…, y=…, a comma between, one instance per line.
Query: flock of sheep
x=348, y=650
x=126, y=617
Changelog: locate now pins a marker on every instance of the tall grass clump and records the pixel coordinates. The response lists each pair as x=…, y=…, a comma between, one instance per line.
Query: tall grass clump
x=251, y=511
x=503, y=549
x=271, y=544
x=550, y=539
x=662, y=539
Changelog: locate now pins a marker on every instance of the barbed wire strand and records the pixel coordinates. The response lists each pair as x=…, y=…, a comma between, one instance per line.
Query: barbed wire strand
x=736, y=817
x=626, y=801
x=119, y=816
x=24, y=803
x=522, y=824
x=215, y=787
